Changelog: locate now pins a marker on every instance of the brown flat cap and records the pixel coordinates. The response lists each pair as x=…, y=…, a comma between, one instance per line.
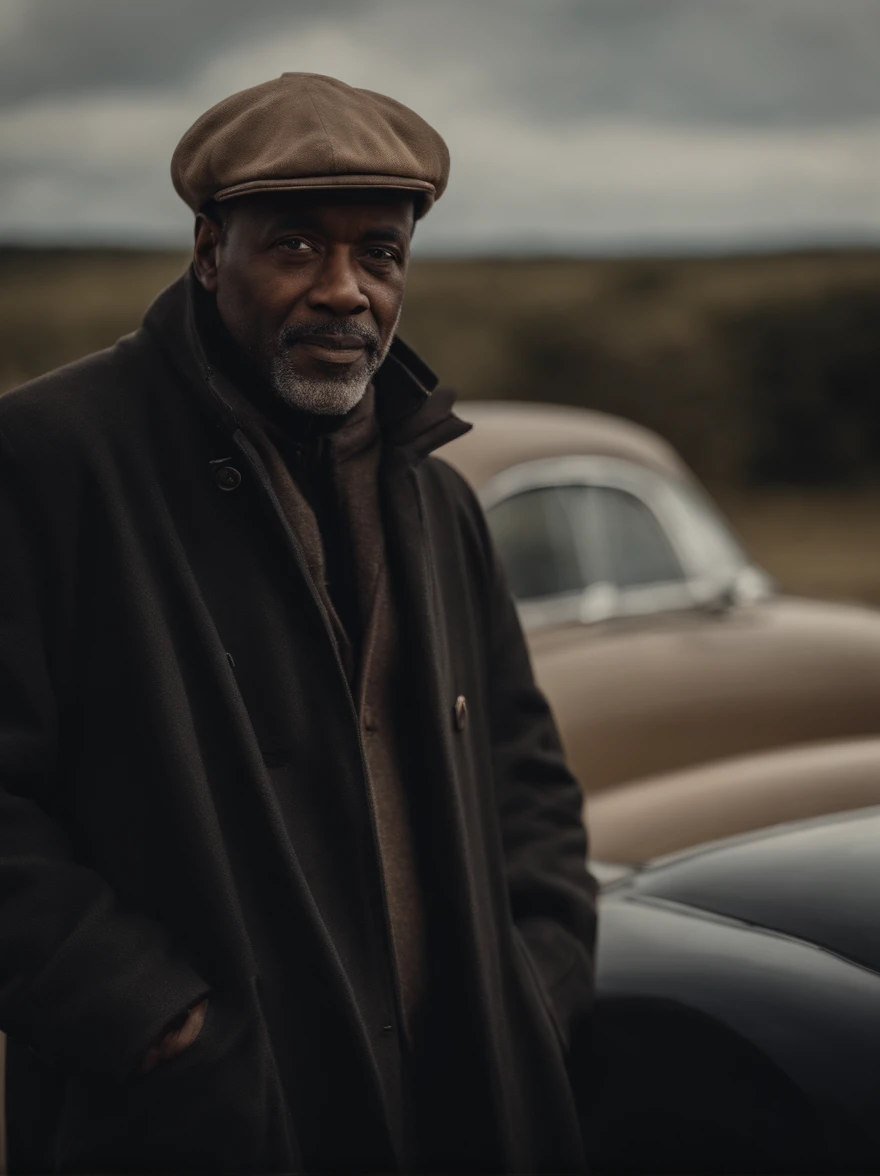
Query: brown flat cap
x=305, y=130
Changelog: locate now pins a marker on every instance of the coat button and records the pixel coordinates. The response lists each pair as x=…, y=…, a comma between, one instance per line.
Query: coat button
x=227, y=477
x=460, y=712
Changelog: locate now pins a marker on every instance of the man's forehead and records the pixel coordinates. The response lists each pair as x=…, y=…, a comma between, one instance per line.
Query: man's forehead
x=364, y=209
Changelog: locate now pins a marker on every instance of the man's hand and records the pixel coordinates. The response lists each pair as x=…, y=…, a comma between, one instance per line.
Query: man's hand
x=177, y=1038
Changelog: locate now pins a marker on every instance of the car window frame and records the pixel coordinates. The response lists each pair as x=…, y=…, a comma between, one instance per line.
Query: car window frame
x=604, y=600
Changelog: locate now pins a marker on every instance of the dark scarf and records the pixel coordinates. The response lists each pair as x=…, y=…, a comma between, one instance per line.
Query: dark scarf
x=325, y=472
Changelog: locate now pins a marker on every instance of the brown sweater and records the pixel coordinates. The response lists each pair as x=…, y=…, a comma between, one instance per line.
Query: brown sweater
x=368, y=645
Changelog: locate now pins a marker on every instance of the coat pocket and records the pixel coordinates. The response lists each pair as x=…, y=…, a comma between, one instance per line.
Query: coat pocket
x=532, y=980
x=216, y=1107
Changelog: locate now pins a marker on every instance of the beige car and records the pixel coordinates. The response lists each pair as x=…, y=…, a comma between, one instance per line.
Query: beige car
x=694, y=699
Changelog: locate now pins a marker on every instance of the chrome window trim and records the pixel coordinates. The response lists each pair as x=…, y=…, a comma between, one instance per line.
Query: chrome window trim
x=604, y=601
x=546, y=472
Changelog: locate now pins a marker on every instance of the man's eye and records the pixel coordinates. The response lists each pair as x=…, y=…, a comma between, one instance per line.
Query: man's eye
x=295, y=245
x=379, y=254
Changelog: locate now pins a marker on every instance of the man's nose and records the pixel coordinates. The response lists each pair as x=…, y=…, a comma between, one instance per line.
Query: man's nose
x=336, y=287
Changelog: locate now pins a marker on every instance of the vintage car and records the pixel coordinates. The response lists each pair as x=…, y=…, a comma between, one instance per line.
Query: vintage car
x=694, y=699
x=737, y=1017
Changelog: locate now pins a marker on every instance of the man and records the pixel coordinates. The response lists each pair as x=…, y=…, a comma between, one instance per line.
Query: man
x=291, y=868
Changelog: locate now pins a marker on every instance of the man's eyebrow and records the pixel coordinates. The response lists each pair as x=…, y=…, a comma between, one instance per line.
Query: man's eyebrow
x=391, y=235
x=291, y=221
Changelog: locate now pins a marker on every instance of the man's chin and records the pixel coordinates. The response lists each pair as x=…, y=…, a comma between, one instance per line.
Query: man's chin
x=321, y=396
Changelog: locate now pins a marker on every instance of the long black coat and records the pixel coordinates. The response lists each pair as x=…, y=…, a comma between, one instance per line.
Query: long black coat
x=183, y=804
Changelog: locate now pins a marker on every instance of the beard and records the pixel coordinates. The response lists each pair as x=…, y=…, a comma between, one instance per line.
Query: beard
x=330, y=394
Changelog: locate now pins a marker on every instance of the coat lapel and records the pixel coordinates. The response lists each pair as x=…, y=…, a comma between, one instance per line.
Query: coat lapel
x=454, y=840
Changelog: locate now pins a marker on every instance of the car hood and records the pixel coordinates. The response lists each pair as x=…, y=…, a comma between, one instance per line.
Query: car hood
x=816, y=881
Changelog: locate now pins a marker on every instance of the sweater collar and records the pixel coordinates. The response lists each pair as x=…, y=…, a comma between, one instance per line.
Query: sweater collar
x=414, y=414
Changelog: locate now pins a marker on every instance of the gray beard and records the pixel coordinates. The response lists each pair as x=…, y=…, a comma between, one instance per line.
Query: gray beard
x=329, y=396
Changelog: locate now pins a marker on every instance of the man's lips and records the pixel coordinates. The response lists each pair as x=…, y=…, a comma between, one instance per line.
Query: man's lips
x=333, y=348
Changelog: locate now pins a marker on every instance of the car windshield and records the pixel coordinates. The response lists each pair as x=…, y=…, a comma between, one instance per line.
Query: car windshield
x=637, y=549
x=537, y=533
x=559, y=540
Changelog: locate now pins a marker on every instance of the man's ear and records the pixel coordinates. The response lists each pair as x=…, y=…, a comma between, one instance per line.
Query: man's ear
x=208, y=237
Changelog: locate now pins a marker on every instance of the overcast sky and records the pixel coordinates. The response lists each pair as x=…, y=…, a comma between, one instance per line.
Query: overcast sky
x=573, y=125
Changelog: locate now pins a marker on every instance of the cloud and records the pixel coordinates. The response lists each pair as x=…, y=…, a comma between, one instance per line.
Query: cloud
x=785, y=62
x=572, y=125
x=59, y=47
x=758, y=63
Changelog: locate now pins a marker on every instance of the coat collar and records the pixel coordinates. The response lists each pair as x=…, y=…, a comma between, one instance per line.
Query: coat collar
x=415, y=415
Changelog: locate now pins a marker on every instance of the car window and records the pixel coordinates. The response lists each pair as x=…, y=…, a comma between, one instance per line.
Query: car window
x=638, y=551
x=539, y=535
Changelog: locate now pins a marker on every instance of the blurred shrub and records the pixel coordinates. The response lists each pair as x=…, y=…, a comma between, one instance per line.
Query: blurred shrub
x=59, y=304
x=810, y=370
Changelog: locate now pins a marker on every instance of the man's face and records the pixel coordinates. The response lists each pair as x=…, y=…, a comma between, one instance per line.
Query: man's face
x=310, y=286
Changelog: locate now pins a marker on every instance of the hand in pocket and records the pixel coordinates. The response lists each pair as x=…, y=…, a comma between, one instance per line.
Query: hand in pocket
x=177, y=1037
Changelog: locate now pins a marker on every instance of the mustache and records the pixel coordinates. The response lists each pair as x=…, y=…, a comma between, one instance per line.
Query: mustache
x=295, y=332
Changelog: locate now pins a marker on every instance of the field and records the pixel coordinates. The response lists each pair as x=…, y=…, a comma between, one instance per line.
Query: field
x=763, y=371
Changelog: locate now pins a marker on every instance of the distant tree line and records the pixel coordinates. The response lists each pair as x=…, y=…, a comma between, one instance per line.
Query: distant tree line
x=761, y=370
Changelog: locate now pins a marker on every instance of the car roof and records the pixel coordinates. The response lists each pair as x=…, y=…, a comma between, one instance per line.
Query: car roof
x=815, y=880
x=508, y=433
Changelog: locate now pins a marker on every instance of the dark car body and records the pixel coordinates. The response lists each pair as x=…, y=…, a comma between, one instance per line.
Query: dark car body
x=737, y=1024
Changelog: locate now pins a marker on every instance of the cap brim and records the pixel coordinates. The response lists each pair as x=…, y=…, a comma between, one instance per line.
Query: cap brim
x=298, y=183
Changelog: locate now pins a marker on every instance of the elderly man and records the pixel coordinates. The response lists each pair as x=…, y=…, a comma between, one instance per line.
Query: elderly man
x=291, y=867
